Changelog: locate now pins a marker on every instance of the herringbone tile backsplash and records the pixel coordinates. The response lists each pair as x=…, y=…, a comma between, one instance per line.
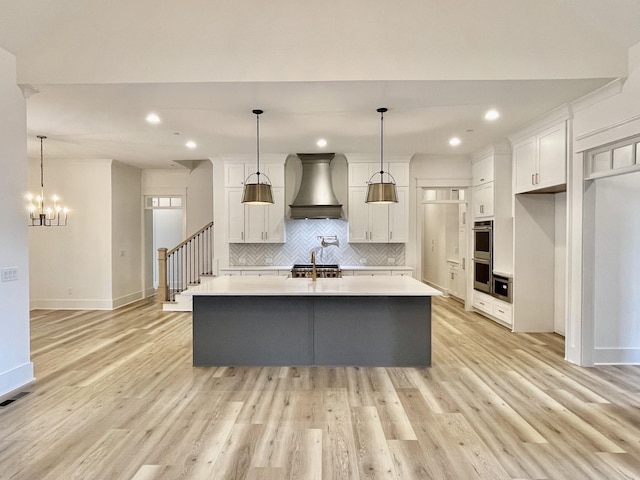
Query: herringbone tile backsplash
x=302, y=238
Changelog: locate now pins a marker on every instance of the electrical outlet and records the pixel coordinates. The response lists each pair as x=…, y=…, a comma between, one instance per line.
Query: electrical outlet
x=10, y=274
x=69, y=291
x=268, y=261
x=363, y=261
x=391, y=260
x=242, y=261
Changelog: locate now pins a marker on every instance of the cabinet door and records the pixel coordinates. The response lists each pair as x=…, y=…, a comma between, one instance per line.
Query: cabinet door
x=399, y=217
x=275, y=232
x=378, y=223
x=255, y=218
x=524, y=158
x=275, y=172
x=359, y=173
x=358, y=215
x=482, y=171
x=399, y=171
x=483, y=200
x=552, y=157
x=234, y=174
x=235, y=215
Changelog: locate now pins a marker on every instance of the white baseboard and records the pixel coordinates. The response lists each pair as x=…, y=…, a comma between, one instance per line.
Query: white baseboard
x=15, y=378
x=150, y=292
x=77, y=304
x=616, y=356
x=127, y=299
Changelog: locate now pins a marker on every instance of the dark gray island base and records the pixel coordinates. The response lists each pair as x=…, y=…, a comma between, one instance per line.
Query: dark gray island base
x=311, y=330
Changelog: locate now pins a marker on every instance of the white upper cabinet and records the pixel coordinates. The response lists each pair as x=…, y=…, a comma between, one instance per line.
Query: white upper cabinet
x=254, y=223
x=378, y=223
x=540, y=161
x=361, y=172
x=236, y=173
x=482, y=171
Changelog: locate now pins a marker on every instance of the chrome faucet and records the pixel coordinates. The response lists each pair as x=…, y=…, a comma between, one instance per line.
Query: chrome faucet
x=314, y=274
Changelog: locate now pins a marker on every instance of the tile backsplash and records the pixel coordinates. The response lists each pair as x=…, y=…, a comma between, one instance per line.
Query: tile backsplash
x=302, y=238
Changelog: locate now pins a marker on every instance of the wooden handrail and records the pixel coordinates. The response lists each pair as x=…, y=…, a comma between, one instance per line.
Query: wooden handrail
x=185, y=263
x=182, y=244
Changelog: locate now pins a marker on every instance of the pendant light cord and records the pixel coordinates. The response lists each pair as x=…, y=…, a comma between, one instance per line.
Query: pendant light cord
x=381, y=110
x=41, y=162
x=258, y=112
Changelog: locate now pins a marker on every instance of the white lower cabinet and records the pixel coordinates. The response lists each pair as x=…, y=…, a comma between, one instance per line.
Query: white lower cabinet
x=493, y=308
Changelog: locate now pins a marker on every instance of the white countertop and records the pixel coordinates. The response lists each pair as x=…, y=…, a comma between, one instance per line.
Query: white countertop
x=345, y=286
x=288, y=267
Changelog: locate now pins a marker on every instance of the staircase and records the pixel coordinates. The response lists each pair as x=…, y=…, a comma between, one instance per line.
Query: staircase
x=184, y=266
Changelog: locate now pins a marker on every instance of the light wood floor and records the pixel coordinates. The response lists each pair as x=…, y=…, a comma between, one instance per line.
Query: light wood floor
x=116, y=397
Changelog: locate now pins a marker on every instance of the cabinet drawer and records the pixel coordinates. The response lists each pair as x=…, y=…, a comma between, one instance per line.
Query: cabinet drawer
x=402, y=273
x=483, y=302
x=502, y=311
x=371, y=273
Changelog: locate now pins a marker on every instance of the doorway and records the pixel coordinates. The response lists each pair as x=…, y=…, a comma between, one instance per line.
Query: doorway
x=444, y=255
x=164, y=227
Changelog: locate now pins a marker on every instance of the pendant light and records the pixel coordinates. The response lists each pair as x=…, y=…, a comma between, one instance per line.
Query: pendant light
x=382, y=192
x=41, y=213
x=257, y=193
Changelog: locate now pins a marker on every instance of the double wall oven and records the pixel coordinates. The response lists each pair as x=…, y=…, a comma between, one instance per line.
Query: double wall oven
x=483, y=255
x=483, y=277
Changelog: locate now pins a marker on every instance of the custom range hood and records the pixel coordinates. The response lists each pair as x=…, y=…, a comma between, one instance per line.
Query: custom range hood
x=315, y=198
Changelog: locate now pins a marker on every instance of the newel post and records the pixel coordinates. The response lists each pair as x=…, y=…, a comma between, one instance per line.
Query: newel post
x=163, y=286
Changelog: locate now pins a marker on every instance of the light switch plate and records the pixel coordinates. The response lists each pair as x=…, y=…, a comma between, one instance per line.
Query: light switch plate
x=10, y=274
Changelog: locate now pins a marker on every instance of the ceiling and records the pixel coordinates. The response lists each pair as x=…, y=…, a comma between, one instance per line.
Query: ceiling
x=97, y=77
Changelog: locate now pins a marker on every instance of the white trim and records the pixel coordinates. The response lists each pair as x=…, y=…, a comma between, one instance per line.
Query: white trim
x=625, y=129
x=616, y=356
x=84, y=304
x=500, y=148
x=127, y=299
x=592, y=98
x=560, y=114
x=17, y=377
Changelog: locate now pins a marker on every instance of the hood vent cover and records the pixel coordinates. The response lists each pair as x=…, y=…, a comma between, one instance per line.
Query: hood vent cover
x=315, y=198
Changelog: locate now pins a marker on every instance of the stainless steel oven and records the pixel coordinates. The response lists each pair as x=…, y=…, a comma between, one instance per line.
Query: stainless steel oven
x=482, y=275
x=483, y=240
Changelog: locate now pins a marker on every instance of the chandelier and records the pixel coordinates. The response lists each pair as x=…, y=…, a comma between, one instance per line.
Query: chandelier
x=41, y=212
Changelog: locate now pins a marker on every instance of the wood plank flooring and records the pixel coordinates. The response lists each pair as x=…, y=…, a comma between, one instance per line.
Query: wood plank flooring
x=116, y=397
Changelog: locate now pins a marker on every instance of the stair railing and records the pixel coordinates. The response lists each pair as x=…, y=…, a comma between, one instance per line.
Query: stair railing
x=184, y=264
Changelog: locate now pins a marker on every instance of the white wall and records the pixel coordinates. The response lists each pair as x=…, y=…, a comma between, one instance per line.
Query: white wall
x=608, y=115
x=16, y=368
x=616, y=301
x=70, y=267
x=126, y=234
x=560, y=262
x=195, y=185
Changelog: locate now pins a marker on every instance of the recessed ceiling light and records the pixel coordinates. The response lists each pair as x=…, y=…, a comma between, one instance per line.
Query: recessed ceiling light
x=454, y=141
x=321, y=142
x=153, y=118
x=491, y=115
x=191, y=144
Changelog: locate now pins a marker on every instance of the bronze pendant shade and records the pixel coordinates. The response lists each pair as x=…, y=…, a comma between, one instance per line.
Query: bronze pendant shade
x=257, y=193
x=382, y=192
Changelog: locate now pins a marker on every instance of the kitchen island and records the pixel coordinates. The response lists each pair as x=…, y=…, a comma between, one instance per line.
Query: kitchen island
x=364, y=321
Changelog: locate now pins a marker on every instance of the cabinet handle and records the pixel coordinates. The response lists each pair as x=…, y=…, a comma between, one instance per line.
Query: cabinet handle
x=242, y=235
x=501, y=311
x=481, y=208
x=533, y=177
x=390, y=235
x=482, y=179
x=464, y=218
x=464, y=263
x=537, y=178
x=451, y=275
x=261, y=235
x=266, y=235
